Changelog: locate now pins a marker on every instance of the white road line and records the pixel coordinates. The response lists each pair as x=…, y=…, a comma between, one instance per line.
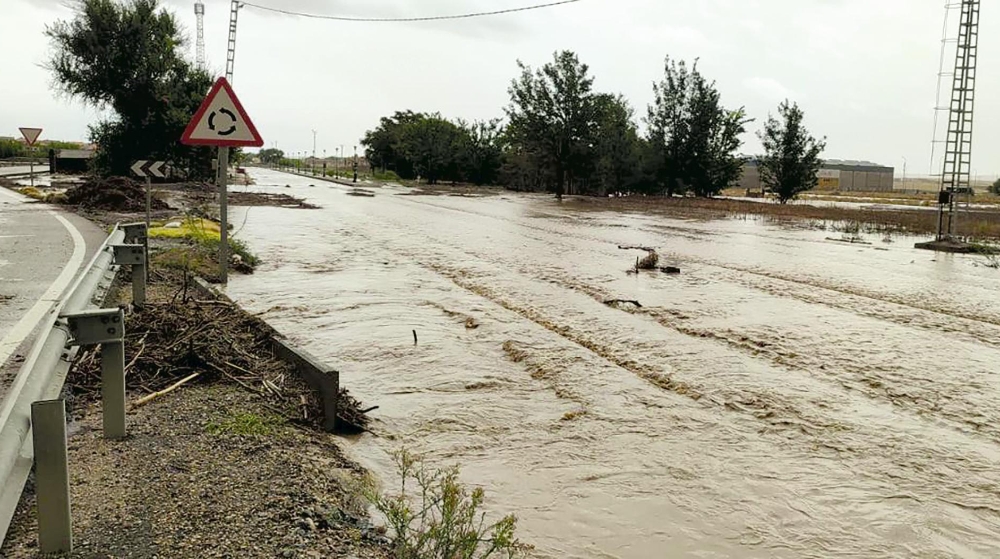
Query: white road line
x=23, y=328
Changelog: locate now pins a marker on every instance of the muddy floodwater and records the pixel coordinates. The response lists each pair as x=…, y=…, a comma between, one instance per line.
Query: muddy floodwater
x=786, y=395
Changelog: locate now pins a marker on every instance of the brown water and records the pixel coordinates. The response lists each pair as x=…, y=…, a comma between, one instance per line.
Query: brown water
x=785, y=396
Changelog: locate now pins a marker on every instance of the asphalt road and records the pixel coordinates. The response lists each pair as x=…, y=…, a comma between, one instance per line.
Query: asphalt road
x=42, y=249
x=22, y=170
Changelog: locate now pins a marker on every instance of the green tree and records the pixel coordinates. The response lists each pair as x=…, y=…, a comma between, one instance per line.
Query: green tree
x=481, y=151
x=271, y=156
x=551, y=117
x=127, y=57
x=791, y=157
x=995, y=188
x=616, y=144
x=694, y=139
x=383, y=148
x=433, y=145
x=12, y=148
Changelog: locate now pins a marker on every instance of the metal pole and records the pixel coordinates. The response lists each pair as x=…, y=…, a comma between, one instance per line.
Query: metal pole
x=223, y=216
x=31, y=163
x=139, y=284
x=113, y=389
x=48, y=434
x=149, y=197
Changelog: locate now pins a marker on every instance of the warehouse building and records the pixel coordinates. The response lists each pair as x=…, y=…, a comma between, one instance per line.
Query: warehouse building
x=835, y=174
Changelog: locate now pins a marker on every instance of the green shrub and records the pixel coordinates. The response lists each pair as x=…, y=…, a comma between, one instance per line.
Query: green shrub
x=387, y=176
x=441, y=519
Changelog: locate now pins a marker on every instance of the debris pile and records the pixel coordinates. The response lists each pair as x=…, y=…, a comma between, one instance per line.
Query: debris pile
x=114, y=194
x=176, y=337
x=267, y=199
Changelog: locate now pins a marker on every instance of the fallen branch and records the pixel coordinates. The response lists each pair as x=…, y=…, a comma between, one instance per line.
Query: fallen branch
x=636, y=247
x=146, y=399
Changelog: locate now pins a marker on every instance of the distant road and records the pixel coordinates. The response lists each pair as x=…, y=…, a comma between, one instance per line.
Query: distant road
x=41, y=250
x=22, y=170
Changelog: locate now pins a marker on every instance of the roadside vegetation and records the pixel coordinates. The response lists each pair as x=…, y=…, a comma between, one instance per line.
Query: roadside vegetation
x=791, y=160
x=560, y=135
x=434, y=516
x=127, y=58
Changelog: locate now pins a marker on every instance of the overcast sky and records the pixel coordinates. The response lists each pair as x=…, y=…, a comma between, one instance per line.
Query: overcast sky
x=864, y=71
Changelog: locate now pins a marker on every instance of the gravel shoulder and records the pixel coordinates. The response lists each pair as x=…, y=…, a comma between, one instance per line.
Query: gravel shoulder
x=188, y=483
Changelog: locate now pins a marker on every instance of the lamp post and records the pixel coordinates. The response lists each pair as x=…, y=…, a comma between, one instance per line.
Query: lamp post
x=313, y=161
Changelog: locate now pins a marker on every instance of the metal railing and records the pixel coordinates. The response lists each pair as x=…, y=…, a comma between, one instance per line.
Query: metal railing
x=43, y=373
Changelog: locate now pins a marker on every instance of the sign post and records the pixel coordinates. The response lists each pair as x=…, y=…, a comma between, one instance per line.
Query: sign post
x=30, y=137
x=222, y=122
x=146, y=169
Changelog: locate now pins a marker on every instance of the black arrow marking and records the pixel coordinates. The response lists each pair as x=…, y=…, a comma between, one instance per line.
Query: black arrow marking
x=226, y=132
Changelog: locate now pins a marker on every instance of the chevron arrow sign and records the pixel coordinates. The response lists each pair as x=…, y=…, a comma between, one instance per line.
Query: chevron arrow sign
x=144, y=168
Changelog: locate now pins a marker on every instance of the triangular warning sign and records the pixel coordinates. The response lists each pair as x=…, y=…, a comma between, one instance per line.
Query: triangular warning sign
x=221, y=121
x=31, y=135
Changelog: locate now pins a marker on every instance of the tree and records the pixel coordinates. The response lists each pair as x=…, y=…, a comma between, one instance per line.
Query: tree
x=551, y=116
x=616, y=145
x=791, y=157
x=693, y=137
x=432, y=144
x=481, y=151
x=270, y=156
x=995, y=187
x=126, y=56
x=382, y=145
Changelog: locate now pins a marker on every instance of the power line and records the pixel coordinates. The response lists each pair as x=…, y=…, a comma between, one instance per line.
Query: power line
x=410, y=19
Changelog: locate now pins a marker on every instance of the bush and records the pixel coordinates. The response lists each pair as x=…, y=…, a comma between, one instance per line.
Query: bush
x=446, y=522
x=995, y=188
x=387, y=176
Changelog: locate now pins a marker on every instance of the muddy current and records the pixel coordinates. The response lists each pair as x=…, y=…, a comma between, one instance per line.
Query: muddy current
x=786, y=395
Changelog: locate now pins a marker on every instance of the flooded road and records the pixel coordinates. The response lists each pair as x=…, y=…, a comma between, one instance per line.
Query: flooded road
x=785, y=396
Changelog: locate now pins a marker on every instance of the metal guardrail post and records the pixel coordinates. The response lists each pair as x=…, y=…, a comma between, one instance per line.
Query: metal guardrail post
x=48, y=431
x=41, y=377
x=106, y=327
x=134, y=256
x=135, y=232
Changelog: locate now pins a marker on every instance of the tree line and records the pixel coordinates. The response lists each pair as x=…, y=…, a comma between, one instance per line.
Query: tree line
x=560, y=135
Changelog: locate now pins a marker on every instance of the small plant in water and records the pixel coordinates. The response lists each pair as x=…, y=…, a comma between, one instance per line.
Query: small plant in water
x=436, y=517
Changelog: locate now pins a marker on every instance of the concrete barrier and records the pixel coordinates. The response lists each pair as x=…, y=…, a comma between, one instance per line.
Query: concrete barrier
x=323, y=381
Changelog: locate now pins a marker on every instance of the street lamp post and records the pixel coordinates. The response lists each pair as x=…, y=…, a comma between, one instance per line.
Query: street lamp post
x=904, y=174
x=314, y=154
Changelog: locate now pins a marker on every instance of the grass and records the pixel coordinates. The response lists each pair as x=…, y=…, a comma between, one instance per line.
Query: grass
x=193, y=228
x=245, y=424
x=199, y=254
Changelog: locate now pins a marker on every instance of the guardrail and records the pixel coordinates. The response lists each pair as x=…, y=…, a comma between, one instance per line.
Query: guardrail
x=44, y=371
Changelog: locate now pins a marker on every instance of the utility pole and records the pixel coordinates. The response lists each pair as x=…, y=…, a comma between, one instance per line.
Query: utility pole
x=234, y=12
x=904, y=174
x=958, y=145
x=314, y=154
x=355, y=164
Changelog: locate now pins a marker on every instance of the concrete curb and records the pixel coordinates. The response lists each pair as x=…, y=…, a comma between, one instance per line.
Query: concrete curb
x=325, y=382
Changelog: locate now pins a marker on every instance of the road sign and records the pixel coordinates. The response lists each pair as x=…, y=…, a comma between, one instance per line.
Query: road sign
x=221, y=121
x=139, y=168
x=156, y=169
x=31, y=135
x=145, y=168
